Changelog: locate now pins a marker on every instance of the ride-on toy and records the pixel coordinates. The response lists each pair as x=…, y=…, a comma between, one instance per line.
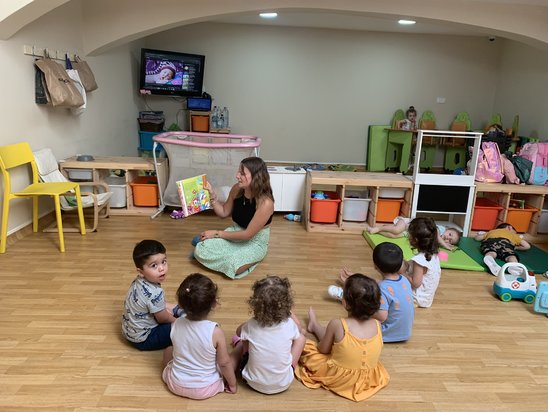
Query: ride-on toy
x=520, y=284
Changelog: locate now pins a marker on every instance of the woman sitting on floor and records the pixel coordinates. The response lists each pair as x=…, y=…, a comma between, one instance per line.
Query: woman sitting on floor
x=236, y=250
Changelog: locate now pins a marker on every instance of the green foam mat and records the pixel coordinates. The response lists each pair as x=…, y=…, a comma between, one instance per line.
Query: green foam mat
x=535, y=259
x=457, y=259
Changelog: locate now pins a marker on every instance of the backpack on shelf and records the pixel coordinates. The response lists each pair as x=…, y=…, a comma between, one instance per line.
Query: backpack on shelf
x=496, y=134
x=537, y=153
x=489, y=169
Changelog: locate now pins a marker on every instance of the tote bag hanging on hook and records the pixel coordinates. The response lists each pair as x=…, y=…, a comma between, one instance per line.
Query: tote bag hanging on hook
x=61, y=88
x=73, y=74
x=86, y=75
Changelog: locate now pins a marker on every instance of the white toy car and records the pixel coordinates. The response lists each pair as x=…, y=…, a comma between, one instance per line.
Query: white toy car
x=520, y=284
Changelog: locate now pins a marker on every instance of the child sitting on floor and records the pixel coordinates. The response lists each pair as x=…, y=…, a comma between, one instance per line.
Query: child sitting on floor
x=147, y=317
x=501, y=243
x=397, y=310
x=346, y=358
x=448, y=237
x=272, y=338
x=198, y=366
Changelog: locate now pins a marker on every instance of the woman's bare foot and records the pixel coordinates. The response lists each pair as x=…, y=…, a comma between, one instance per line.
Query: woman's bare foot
x=345, y=274
x=312, y=321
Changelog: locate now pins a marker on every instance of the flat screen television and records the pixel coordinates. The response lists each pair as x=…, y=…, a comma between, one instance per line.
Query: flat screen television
x=171, y=73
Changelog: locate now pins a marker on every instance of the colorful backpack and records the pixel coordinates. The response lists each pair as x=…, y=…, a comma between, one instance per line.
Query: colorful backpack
x=489, y=169
x=537, y=153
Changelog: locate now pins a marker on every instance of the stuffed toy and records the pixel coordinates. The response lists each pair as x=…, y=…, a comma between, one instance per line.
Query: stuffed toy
x=508, y=168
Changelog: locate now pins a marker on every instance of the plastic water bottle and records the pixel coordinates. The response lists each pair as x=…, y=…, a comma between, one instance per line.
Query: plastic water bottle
x=221, y=119
x=293, y=217
x=224, y=114
x=215, y=118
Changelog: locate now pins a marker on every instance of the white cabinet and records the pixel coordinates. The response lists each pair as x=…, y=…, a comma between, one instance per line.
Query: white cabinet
x=287, y=188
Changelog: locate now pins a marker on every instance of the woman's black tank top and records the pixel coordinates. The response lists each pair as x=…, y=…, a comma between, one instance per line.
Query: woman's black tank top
x=243, y=211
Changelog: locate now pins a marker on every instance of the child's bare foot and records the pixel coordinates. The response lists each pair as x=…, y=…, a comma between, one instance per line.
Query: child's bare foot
x=312, y=321
x=373, y=229
x=345, y=274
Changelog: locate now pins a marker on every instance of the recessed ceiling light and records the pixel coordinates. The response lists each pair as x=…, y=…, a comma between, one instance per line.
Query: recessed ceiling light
x=406, y=22
x=269, y=15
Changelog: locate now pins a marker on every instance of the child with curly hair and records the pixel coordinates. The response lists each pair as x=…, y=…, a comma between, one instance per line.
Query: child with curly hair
x=346, y=358
x=272, y=339
x=198, y=361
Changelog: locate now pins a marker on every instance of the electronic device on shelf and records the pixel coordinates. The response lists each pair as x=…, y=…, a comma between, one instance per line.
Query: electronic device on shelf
x=171, y=73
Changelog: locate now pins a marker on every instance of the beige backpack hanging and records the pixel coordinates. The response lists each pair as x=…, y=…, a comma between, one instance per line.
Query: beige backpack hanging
x=61, y=88
x=86, y=75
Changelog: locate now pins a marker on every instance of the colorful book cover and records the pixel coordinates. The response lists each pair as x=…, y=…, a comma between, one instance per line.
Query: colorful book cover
x=194, y=198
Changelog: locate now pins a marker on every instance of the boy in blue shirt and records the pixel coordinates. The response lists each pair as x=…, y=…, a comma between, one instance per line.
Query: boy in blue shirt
x=397, y=310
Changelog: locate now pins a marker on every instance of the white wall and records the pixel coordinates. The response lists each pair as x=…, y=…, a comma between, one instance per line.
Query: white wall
x=523, y=89
x=310, y=94
x=109, y=124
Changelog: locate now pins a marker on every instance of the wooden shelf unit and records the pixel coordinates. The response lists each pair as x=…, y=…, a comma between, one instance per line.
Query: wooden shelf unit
x=100, y=170
x=502, y=193
x=318, y=180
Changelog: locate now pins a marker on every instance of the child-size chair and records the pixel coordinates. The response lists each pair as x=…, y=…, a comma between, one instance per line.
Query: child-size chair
x=455, y=149
x=20, y=154
x=48, y=170
x=428, y=148
x=398, y=150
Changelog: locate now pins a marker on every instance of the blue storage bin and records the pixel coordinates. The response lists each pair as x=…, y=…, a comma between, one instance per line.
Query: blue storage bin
x=145, y=139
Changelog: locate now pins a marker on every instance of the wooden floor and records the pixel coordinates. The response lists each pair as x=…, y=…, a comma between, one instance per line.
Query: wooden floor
x=61, y=348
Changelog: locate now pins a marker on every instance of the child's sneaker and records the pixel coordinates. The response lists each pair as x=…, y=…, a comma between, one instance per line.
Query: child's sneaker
x=335, y=292
x=516, y=271
x=492, y=265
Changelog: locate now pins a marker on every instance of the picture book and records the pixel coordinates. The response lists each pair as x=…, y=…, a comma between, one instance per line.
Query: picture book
x=194, y=198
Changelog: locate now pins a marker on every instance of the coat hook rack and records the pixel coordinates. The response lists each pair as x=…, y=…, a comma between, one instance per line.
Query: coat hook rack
x=52, y=53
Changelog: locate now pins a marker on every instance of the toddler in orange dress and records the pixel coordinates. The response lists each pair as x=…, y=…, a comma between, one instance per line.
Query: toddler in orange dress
x=346, y=358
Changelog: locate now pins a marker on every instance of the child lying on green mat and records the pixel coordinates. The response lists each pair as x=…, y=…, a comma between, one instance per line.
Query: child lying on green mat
x=501, y=243
x=448, y=237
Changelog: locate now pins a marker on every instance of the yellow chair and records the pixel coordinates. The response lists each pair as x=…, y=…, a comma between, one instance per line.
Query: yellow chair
x=20, y=154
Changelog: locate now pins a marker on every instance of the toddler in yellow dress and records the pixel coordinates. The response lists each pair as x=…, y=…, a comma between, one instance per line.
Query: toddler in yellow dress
x=346, y=358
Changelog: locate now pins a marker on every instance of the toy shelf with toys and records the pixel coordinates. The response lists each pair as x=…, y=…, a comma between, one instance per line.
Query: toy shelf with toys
x=339, y=184
x=510, y=199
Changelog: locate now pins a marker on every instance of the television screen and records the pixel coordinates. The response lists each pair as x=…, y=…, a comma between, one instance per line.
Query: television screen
x=172, y=73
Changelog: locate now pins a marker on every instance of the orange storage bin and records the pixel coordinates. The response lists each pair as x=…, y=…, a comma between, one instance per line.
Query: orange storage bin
x=145, y=191
x=521, y=218
x=388, y=209
x=325, y=210
x=485, y=214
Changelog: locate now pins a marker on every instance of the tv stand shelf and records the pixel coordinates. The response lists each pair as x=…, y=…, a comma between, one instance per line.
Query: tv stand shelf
x=318, y=180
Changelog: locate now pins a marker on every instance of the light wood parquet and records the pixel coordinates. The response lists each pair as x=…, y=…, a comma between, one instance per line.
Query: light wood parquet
x=61, y=347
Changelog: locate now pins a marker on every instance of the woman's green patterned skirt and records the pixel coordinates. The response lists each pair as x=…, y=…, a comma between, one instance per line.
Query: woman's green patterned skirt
x=227, y=256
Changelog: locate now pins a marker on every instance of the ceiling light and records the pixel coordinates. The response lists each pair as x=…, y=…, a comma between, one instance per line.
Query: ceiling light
x=268, y=15
x=406, y=22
